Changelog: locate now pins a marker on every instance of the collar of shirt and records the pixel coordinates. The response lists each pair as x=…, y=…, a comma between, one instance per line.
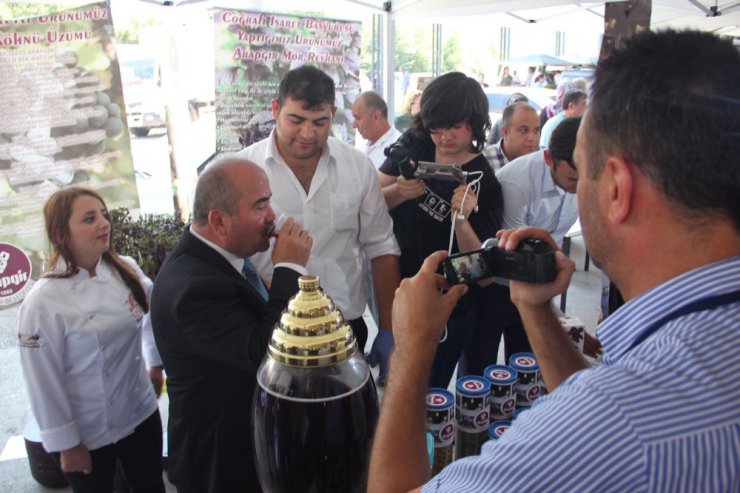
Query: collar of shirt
x=272, y=155
x=498, y=148
x=549, y=187
x=622, y=328
x=236, y=261
x=384, y=140
x=102, y=270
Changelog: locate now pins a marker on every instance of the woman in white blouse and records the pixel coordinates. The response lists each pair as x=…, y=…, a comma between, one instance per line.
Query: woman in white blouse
x=80, y=335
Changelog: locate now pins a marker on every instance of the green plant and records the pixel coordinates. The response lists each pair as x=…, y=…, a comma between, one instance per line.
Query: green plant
x=147, y=239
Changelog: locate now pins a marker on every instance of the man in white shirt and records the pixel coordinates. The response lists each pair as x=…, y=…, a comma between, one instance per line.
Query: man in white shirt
x=370, y=113
x=333, y=191
x=539, y=190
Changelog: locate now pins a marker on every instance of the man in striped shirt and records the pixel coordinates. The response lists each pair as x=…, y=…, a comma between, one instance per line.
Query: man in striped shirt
x=659, y=200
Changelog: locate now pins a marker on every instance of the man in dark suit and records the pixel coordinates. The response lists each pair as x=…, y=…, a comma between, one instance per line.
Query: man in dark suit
x=212, y=326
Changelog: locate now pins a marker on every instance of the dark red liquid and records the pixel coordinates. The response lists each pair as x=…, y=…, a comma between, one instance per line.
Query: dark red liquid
x=314, y=446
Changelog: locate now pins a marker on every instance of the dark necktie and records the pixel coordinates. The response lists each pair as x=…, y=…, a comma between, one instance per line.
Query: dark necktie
x=250, y=272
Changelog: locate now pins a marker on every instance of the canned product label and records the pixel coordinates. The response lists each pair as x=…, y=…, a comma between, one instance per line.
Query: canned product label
x=526, y=394
x=504, y=390
x=502, y=407
x=440, y=417
x=445, y=436
x=472, y=405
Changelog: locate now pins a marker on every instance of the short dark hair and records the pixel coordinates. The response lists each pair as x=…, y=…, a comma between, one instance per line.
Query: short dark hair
x=573, y=97
x=563, y=140
x=374, y=101
x=451, y=99
x=669, y=102
x=309, y=85
x=216, y=189
x=509, y=112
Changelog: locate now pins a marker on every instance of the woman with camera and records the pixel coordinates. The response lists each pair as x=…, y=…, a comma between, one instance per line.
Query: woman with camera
x=443, y=214
x=80, y=335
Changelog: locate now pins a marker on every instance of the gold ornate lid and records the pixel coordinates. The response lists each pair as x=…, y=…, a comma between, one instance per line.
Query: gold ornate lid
x=311, y=331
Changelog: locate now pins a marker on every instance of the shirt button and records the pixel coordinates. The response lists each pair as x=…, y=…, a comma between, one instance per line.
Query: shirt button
x=137, y=358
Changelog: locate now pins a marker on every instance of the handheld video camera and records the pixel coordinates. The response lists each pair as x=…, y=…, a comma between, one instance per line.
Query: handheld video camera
x=533, y=261
x=398, y=152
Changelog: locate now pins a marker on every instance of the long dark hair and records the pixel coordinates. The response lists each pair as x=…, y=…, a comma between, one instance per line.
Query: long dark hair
x=57, y=211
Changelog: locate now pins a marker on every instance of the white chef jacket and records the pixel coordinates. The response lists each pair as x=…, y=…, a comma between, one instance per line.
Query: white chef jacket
x=376, y=151
x=81, y=354
x=531, y=197
x=344, y=212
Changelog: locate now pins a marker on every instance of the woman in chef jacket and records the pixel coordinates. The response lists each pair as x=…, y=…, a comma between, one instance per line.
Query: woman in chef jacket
x=80, y=336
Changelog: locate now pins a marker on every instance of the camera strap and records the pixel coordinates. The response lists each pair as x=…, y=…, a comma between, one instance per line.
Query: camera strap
x=696, y=306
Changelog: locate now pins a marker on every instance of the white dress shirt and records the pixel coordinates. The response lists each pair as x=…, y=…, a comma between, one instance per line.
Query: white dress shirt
x=376, y=151
x=81, y=354
x=344, y=212
x=531, y=197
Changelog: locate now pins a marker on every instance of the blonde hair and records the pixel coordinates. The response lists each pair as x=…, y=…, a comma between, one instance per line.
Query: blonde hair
x=409, y=101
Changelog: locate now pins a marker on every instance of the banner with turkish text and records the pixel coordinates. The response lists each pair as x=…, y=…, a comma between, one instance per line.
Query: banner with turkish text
x=61, y=121
x=254, y=50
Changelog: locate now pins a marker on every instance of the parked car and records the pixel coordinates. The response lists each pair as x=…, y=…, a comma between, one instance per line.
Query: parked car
x=498, y=97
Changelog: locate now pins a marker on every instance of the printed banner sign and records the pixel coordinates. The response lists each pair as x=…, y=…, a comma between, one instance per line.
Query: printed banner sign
x=61, y=119
x=254, y=50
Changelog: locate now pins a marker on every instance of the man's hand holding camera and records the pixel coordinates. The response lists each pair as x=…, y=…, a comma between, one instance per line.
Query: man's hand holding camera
x=420, y=312
x=537, y=295
x=557, y=357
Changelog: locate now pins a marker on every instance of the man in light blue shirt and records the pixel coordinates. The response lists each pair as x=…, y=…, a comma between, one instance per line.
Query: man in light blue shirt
x=539, y=190
x=574, y=105
x=659, y=202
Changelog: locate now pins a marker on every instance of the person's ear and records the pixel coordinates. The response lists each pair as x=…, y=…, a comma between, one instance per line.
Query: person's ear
x=548, y=159
x=620, y=183
x=275, y=108
x=218, y=222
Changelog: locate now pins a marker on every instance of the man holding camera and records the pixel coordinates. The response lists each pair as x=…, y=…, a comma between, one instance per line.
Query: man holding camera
x=660, y=412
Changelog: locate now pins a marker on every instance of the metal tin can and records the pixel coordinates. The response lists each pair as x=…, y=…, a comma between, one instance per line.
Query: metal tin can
x=472, y=411
x=498, y=428
x=503, y=381
x=440, y=411
x=530, y=378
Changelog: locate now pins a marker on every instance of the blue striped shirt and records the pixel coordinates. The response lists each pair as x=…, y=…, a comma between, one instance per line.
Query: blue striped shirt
x=664, y=416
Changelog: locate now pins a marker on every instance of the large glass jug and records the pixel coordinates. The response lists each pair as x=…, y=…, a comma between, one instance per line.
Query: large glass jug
x=316, y=406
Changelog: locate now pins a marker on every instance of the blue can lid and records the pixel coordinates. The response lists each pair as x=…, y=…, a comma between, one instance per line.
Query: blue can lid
x=525, y=362
x=497, y=428
x=500, y=374
x=472, y=386
x=518, y=412
x=439, y=399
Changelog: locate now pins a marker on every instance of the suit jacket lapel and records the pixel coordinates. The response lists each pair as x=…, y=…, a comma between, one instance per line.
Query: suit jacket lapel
x=204, y=252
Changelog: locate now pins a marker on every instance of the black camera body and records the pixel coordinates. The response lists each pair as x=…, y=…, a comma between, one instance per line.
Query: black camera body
x=398, y=152
x=533, y=261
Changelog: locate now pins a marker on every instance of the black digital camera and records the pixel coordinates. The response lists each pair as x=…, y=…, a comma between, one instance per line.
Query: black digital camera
x=533, y=261
x=398, y=152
